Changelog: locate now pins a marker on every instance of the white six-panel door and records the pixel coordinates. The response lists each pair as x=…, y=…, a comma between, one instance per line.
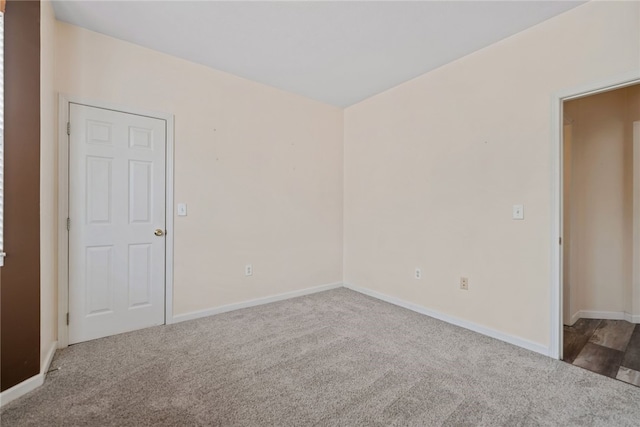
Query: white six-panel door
x=117, y=222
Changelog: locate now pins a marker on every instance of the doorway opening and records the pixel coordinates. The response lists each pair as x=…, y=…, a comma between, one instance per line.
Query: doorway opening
x=600, y=219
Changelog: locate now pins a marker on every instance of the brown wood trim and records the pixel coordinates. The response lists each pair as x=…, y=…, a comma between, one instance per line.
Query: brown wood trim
x=3, y=4
x=20, y=275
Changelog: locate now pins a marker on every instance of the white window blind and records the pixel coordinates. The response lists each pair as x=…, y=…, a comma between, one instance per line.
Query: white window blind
x=2, y=254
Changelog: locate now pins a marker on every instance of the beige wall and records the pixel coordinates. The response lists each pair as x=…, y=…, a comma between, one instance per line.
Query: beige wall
x=260, y=169
x=634, y=295
x=631, y=114
x=48, y=183
x=434, y=166
x=600, y=223
x=568, y=297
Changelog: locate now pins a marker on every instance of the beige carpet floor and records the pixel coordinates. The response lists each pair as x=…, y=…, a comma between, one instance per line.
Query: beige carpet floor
x=335, y=358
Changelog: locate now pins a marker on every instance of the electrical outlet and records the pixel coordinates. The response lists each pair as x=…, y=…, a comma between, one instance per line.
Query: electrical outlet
x=464, y=283
x=248, y=270
x=418, y=274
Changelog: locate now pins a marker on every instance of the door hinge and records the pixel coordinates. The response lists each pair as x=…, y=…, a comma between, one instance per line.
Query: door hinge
x=68, y=128
x=68, y=224
x=560, y=241
x=67, y=319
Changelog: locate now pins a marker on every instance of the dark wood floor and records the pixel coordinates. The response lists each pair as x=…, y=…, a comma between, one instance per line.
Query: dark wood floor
x=608, y=347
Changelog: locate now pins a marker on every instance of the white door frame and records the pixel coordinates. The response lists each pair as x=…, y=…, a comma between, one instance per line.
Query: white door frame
x=557, y=99
x=63, y=205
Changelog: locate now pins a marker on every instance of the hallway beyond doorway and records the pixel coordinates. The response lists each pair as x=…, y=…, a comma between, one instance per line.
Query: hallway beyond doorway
x=608, y=347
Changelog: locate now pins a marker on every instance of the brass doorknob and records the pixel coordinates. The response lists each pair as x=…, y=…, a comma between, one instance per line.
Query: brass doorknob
x=158, y=232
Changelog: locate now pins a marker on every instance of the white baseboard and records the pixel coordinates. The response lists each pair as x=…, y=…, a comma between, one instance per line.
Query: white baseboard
x=252, y=303
x=632, y=318
x=607, y=315
x=574, y=318
x=529, y=345
x=32, y=383
x=46, y=364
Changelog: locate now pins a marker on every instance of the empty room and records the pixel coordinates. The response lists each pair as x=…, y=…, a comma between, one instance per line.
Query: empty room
x=319, y=213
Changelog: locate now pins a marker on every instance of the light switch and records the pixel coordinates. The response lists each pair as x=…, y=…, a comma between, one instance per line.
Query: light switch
x=182, y=209
x=518, y=212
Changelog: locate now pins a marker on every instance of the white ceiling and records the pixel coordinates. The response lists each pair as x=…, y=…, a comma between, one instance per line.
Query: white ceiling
x=335, y=52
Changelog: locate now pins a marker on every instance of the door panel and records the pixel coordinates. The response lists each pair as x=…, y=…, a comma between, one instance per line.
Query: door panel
x=99, y=287
x=116, y=202
x=140, y=181
x=99, y=189
x=140, y=267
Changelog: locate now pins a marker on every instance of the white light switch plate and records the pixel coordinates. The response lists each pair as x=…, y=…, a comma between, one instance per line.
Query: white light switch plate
x=182, y=209
x=518, y=212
